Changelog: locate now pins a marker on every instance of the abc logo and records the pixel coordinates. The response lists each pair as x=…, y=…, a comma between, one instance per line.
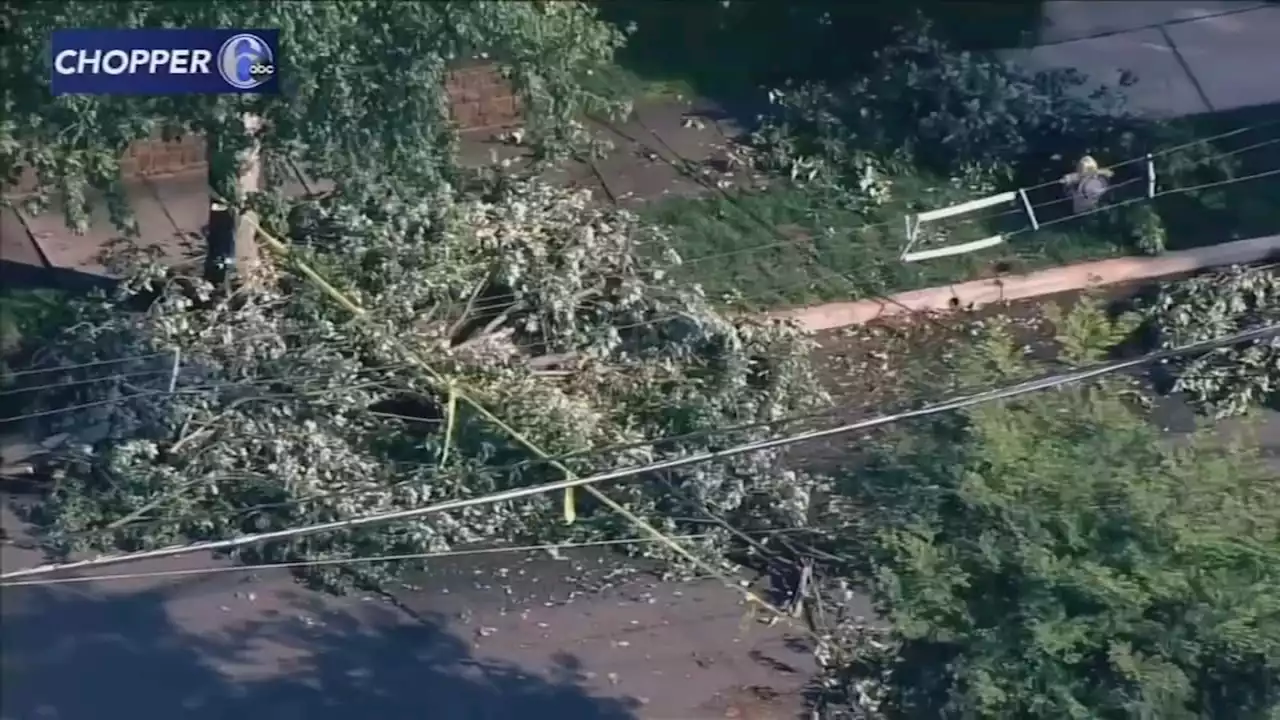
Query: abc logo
x=246, y=62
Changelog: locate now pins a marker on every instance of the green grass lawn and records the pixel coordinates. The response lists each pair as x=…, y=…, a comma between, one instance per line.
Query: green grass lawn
x=790, y=245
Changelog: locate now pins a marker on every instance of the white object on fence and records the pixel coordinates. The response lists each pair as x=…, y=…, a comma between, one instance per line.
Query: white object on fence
x=1031, y=212
x=968, y=207
x=949, y=250
x=913, y=227
x=173, y=375
x=1151, y=177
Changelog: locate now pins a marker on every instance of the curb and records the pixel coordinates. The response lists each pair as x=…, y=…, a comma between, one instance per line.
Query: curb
x=1067, y=278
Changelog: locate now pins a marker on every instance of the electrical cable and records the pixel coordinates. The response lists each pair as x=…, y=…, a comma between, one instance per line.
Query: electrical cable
x=213, y=387
x=572, y=482
x=1102, y=208
x=1131, y=201
x=1176, y=190
x=83, y=381
x=77, y=366
x=700, y=435
x=547, y=547
x=786, y=242
x=34, y=370
x=681, y=167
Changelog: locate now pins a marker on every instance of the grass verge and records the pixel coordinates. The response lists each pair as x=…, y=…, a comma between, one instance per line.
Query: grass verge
x=791, y=245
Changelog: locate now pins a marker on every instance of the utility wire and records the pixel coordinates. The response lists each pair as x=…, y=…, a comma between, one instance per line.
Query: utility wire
x=1047, y=223
x=1139, y=199
x=528, y=464
x=590, y=452
x=572, y=482
x=699, y=435
x=784, y=241
x=207, y=386
x=83, y=381
x=35, y=369
x=502, y=301
x=849, y=282
x=547, y=547
x=77, y=366
x=213, y=387
x=458, y=393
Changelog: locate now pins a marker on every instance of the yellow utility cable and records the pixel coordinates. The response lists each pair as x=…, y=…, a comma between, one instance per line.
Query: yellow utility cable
x=459, y=393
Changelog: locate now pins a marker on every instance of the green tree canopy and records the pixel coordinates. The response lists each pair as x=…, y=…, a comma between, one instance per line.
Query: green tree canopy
x=1055, y=556
x=363, y=98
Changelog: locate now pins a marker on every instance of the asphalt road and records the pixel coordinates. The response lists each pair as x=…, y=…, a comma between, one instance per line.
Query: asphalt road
x=510, y=638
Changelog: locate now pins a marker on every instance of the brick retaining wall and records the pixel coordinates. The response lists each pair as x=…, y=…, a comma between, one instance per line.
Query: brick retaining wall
x=481, y=99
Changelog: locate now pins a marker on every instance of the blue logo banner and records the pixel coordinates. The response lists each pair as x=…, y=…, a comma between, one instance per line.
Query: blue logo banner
x=164, y=62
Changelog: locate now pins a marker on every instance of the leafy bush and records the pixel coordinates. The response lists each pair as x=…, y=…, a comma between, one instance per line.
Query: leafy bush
x=288, y=413
x=1087, y=333
x=1053, y=556
x=971, y=118
x=1231, y=380
x=27, y=318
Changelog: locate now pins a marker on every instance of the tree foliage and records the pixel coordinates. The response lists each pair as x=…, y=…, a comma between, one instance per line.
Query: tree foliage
x=977, y=123
x=363, y=91
x=1054, y=556
x=287, y=412
x=1230, y=380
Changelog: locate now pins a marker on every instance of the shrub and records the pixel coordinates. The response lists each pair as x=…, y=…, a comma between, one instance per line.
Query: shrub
x=1053, y=556
x=976, y=120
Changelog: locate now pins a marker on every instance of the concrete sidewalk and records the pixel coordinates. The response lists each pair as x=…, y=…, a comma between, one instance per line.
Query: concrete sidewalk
x=172, y=210
x=1188, y=58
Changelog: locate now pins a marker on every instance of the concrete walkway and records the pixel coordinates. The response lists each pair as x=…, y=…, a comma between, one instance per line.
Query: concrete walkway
x=172, y=211
x=1188, y=57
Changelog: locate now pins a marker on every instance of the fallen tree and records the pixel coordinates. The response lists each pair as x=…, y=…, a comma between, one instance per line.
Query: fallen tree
x=1231, y=380
x=287, y=411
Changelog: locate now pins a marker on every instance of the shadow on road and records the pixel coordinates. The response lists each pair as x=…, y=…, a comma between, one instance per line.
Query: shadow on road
x=73, y=656
x=16, y=275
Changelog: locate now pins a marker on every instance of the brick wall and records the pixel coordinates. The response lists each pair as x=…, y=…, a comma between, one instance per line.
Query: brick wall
x=145, y=158
x=156, y=157
x=481, y=100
